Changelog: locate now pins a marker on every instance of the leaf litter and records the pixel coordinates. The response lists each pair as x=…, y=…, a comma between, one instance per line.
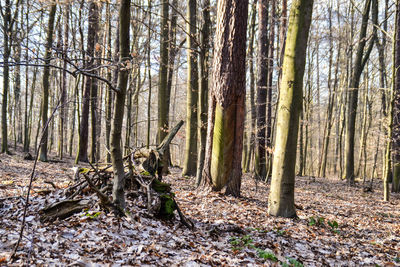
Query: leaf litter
x=337, y=225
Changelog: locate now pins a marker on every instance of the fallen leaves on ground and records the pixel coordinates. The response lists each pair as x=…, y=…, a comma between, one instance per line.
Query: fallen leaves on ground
x=337, y=225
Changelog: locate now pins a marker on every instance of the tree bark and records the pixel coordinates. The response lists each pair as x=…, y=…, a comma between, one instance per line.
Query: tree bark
x=116, y=131
x=262, y=83
x=190, y=161
x=396, y=107
x=203, y=92
x=353, y=95
x=226, y=106
x=46, y=84
x=281, y=198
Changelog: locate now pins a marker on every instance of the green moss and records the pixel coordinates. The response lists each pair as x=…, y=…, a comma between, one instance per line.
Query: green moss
x=223, y=145
x=168, y=206
x=84, y=170
x=160, y=187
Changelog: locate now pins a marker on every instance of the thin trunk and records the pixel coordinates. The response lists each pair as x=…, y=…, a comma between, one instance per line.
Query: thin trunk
x=361, y=59
x=116, y=131
x=262, y=83
x=46, y=84
x=253, y=112
x=203, y=92
x=192, y=91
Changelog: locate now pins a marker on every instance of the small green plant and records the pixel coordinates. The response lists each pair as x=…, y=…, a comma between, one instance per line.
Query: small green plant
x=267, y=255
x=334, y=226
x=239, y=243
x=294, y=262
x=291, y=263
x=91, y=215
x=312, y=221
x=396, y=260
x=280, y=232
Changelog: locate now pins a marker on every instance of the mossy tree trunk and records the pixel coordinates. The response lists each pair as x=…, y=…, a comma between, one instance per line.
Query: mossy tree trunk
x=46, y=84
x=118, y=116
x=281, y=198
x=190, y=160
x=222, y=166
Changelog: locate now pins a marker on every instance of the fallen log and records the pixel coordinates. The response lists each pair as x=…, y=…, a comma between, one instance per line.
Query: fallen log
x=63, y=209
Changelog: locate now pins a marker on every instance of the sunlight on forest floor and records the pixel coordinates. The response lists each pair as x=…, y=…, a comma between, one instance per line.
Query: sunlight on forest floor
x=337, y=225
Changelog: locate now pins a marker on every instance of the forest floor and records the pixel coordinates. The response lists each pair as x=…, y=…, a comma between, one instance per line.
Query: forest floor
x=337, y=225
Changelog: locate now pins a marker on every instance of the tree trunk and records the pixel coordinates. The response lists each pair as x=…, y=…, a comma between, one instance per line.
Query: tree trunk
x=353, y=94
x=203, y=92
x=396, y=107
x=148, y=67
x=163, y=95
x=109, y=94
x=226, y=106
x=190, y=161
x=281, y=198
x=46, y=84
x=63, y=112
x=268, y=133
x=93, y=51
x=253, y=112
x=262, y=83
x=116, y=131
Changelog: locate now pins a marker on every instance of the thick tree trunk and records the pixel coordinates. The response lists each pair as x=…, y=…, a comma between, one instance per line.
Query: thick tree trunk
x=222, y=166
x=190, y=161
x=116, y=131
x=281, y=198
x=46, y=84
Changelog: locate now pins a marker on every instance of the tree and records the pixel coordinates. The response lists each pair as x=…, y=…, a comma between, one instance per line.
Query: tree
x=359, y=64
x=222, y=165
x=396, y=107
x=190, y=161
x=281, y=198
x=46, y=83
x=7, y=29
x=118, y=115
x=262, y=83
x=163, y=92
x=90, y=86
x=203, y=92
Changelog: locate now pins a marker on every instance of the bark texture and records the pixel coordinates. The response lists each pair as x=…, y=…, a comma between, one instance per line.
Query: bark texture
x=222, y=165
x=116, y=131
x=281, y=198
